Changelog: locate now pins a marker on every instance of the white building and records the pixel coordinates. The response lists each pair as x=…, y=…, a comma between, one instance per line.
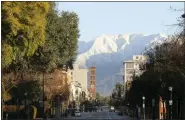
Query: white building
x=132, y=67
x=80, y=75
x=76, y=90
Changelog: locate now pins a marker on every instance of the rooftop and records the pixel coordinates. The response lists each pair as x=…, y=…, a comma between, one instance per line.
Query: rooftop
x=128, y=61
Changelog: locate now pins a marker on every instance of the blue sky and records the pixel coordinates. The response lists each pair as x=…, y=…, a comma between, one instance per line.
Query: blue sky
x=97, y=18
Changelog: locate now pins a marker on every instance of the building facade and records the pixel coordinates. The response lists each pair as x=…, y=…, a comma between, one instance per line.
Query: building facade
x=80, y=75
x=133, y=67
x=76, y=90
x=92, y=80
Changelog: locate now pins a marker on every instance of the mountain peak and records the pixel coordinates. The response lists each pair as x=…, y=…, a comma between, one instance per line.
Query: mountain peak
x=107, y=53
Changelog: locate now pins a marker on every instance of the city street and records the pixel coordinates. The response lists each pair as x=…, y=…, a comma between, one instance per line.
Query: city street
x=102, y=115
x=64, y=60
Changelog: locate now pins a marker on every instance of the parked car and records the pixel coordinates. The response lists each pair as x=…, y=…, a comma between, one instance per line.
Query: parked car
x=112, y=109
x=98, y=110
x=77, y=113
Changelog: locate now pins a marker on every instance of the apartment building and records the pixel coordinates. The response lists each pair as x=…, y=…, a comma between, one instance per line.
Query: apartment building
x=80, y=75
x=135, y=66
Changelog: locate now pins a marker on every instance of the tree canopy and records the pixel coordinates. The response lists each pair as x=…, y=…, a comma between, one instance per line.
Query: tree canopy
x=23, y=30
x=61, y=42
x=36, y=39
x=165, y=68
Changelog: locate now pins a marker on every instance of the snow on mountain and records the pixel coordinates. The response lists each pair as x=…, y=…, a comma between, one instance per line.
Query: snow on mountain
x=107, y=53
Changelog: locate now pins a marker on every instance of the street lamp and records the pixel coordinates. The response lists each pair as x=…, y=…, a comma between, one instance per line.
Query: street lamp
x=60, y=103
x=170, y=102
x=153, y=106
x=143, y=107
x=25, y=95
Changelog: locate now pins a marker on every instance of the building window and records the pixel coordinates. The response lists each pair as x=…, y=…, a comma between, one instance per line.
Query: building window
x=129, y=71
x=128, y=78
x=92, y=86
x=136, y=57
x=92, y=77
x=93, y=72
x=129, y=65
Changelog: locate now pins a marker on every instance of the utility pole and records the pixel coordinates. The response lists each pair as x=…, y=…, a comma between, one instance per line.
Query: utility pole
x=170, y=103
x=143, y=107
x=153, y=109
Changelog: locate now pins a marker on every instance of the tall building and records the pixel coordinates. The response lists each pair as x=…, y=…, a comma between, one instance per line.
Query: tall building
x=92, y=80
x=131, y=67
x=80, y=75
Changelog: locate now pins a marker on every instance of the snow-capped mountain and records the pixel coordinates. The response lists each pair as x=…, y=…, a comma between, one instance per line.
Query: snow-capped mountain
x=108, y=52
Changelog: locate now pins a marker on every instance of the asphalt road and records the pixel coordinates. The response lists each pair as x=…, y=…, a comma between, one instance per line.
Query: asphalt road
x=103, y=115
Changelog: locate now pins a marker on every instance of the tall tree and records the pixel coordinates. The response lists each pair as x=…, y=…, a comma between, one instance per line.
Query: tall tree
x=97, y=95
x=61, y=42
x=165, y=68
x=23, y=29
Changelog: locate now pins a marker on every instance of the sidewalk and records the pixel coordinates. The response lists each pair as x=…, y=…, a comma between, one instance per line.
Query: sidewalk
x=127, y=112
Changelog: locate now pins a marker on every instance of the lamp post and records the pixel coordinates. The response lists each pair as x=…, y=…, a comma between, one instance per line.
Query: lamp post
x=25, y=96
x=143, y=107
x=43, y=93
x=60, y=103
x=153, y=106
x=170, y=102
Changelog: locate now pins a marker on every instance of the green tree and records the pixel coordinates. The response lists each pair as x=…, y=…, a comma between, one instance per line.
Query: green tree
x=61, y=42
x=97, y=95
x=23, y=29
x=31, y=87
x=165, y=66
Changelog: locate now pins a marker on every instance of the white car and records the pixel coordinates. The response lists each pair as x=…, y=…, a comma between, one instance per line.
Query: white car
x=98, y=110
x=77, y=114
x=112, y=109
